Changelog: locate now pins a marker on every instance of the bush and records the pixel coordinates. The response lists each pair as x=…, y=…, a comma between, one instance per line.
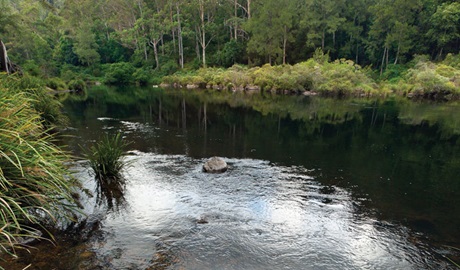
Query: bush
x=142, y=76
x=434, y=81
x=77, y=85
x=31, y=68
x=119, y=73
x=56, y=84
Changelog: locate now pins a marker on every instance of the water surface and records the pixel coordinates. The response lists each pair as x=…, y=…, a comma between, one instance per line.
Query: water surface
x=313, y=183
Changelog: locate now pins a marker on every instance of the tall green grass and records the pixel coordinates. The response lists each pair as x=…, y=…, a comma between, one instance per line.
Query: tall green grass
x=35, y=184
x=106, y=158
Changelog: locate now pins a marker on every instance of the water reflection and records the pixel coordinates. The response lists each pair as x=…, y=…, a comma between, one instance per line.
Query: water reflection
x=111, y=194
x=313, y=184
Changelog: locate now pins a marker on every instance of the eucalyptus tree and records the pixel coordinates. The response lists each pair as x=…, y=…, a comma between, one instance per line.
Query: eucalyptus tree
x=271, y=28
x=206, y=11
x=321, y=18
x=446, y=26
x=393, y=30
x=354, y=28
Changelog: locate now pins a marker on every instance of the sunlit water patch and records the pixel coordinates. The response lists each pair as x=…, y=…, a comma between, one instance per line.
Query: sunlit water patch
x=257, y=215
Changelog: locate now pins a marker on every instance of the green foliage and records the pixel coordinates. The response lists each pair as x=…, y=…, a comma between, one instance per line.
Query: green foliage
x=35, y=184
x=142, y=76
x=106, y=158
x=452, y=60
x=56, y=84
x=343, y=77
x=74, y=39
x=31, y=68
x=119, y=73
x=230, y=54
x=433, y=81
x=77, y=85
x=42, y=101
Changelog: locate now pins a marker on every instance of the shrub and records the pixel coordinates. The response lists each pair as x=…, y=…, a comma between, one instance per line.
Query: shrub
x=31, y=68
x=78, y=85
x=141, y=76
x=119, y=73
x=432, y=80
x=56, y=84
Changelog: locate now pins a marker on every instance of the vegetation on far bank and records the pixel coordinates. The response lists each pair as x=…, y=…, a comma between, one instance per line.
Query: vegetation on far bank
x=127, y=42
x=420, y=79
x=36, y=188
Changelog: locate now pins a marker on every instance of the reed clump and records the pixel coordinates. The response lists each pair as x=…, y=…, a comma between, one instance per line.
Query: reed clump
x=35, y=184
x=105, y=158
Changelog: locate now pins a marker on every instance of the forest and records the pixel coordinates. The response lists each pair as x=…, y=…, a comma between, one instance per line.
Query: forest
x=153, y=38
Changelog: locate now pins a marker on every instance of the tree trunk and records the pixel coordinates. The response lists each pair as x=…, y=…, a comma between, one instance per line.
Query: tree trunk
x=397, y=53
x=357, y=52
x=383, y=60
x=323, y=37
x=203, y=34
x=249, y=9
x=3, y=59
x=179, y=38
x=235, y=27
x=284, y=45
x=154, y=44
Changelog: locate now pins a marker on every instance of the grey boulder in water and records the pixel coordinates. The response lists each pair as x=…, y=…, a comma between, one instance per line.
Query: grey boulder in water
x=215, y=165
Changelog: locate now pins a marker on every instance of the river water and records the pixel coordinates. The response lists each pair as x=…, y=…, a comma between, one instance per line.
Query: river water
x=312, y=183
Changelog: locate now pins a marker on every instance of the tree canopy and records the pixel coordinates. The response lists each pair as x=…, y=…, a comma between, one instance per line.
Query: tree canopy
x=168, y=35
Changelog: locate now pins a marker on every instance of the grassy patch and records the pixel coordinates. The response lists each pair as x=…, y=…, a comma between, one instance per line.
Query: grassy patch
x=35, y=184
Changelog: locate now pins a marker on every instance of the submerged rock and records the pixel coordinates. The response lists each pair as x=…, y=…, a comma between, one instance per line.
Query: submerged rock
x=215, y=165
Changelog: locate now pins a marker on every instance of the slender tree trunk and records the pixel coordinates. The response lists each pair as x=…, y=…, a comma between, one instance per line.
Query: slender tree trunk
x=249, y=9
x=154, y=45
x=197, y=43
x=179, y=37
x=397, y=53
x=203, y=34
x=383, y=60
x=3, y=58
x=440, y=53
x=386, y=59
x=173, y=29
x=146, y=56
x=323, y=37
x=357, y=52
x=235, y=27
x=284, y=45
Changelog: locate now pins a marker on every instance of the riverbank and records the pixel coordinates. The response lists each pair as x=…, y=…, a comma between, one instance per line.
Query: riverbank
x=423, y=79
x=36, y=186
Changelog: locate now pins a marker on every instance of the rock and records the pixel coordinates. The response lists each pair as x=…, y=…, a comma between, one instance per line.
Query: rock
x=192, y=86
x=252, y=87
x=215, y=165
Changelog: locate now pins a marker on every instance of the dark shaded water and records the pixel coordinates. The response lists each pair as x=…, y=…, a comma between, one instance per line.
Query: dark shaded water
x=313, y=183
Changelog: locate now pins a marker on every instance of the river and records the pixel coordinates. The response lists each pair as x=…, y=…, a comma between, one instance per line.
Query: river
x=313, y=183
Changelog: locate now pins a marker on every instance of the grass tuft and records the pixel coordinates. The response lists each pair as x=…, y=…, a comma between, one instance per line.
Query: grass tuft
x=106, y=158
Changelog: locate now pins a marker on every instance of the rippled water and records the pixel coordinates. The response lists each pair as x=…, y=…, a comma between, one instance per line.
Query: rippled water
x=257, y=215
x=312, y=184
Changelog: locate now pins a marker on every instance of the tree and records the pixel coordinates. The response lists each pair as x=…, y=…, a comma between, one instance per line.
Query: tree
x=204, y=29
x=393, y=29
x=446, y=26
x=322, y=17
x=271, y=28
